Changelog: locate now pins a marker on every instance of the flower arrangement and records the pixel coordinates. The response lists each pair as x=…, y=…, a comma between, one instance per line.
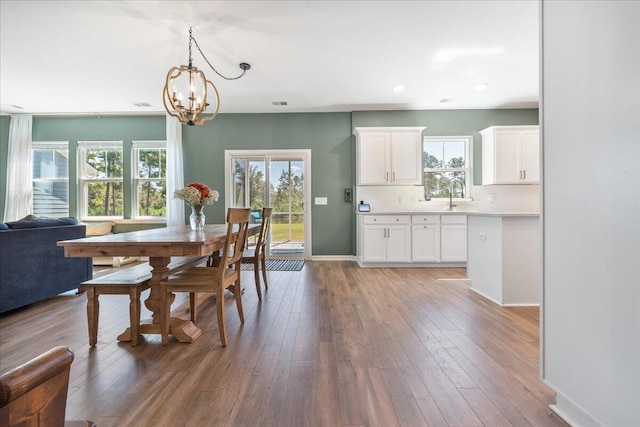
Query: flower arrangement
x=197, y=194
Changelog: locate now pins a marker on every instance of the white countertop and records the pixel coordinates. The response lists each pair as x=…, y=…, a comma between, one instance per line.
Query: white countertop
x=456, y=212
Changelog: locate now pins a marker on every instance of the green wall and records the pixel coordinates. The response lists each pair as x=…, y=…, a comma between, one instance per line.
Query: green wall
x=329, y=136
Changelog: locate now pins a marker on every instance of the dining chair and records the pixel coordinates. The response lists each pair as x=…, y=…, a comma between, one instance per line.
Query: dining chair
x=258, y=256
x=211, y=279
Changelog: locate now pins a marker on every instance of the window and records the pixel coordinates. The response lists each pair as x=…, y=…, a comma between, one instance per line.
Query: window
x=101, y=178
x=50, y=179
x=445, y=161
x=150, y=186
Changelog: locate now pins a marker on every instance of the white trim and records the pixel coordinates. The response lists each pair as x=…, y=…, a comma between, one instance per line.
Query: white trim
x=572, y=413
x=50, y=145
x=333, y=258
x=100, y=145
x=148, y=144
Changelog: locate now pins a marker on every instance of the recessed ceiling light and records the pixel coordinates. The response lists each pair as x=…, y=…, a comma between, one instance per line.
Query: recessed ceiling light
x=398, y=88
x=482, y=87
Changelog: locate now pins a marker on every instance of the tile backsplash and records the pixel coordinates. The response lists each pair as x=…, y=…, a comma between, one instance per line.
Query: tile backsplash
x=491, y=198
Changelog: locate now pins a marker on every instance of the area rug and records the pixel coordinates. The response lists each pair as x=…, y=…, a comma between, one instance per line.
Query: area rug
x=280, y=265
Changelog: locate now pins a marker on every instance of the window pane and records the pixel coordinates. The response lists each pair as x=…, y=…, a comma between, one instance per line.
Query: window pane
x=437, y=184
x=51, y=199
x=152, y=199
x=152, y=163
x=453, y=154
x=105, y=199
x=256, y=184
x=50, y=182
x=444, y=154
x=239, y=177
x=103, y=163
x=433, y=154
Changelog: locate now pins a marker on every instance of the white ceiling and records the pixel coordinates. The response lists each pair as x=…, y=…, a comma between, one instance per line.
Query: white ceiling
x=66, y=57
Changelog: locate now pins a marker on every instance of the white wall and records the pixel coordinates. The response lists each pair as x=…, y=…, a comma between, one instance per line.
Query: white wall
x=591, y=209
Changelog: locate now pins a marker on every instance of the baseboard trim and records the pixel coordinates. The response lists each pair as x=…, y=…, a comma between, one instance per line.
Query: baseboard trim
x=573, y=414
x=486, y=296
x=521, y=305
x=332, y=258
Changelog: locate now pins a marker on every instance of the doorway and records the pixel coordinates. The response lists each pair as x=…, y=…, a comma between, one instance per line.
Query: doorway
x=276, y=178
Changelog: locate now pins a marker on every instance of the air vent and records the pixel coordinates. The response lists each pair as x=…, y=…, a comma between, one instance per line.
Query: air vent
x=280, y=103
x=142, y=104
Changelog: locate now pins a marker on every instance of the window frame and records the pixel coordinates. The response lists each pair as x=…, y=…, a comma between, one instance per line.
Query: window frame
x=53, y=146
x=136, y=146
x=83, y=182
x=468, y=142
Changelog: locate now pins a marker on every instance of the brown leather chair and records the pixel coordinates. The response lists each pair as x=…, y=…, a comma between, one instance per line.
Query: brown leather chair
x=258, y=257
x=35, y=393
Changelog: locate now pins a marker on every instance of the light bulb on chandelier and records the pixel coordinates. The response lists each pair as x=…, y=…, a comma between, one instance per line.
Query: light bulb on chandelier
x=190, y=81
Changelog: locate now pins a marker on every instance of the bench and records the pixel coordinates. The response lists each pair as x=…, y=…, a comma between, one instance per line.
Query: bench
x=130, y=281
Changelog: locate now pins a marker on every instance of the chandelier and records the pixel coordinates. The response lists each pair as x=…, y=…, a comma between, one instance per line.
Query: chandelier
x=187, y=92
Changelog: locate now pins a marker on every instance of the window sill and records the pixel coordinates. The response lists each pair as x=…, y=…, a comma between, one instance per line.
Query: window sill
x=124, y=221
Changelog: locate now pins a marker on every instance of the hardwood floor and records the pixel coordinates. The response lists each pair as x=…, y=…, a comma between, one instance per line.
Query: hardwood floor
x=331, y=345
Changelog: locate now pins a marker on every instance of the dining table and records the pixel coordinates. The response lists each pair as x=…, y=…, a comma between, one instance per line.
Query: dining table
x=160, y=245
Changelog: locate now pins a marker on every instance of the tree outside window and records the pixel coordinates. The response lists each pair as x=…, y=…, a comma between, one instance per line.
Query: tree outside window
x=446, y=159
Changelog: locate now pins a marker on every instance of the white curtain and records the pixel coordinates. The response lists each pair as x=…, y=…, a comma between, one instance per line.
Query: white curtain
x=19, y=158
x=175, y=172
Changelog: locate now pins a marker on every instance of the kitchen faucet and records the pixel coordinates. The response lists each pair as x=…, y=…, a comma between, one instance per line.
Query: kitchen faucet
x=452, y=185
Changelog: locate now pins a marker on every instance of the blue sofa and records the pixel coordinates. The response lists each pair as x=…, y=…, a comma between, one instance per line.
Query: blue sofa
x=32, y=267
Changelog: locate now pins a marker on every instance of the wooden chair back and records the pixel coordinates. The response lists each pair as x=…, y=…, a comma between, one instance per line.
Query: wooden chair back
x=237, y=226
x=35, y=393
x=265, y=228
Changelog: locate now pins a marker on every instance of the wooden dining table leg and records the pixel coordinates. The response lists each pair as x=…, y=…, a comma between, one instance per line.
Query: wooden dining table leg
x=182, y=330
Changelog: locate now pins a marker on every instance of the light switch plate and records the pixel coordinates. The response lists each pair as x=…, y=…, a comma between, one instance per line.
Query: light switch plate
x=321, y=201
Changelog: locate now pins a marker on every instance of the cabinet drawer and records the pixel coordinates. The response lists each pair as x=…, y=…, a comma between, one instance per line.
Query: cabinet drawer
x=454, y=219
x=387, y=219
x=425, y=219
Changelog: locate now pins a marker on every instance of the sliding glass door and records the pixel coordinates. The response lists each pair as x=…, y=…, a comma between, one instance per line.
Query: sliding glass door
x=277, y=179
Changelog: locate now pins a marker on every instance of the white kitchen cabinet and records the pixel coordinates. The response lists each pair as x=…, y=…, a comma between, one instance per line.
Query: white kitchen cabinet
x=504, y=258
x=389, y=155
x=386, y=238
x=453, y=233
x=425, y=238
x=510, y=155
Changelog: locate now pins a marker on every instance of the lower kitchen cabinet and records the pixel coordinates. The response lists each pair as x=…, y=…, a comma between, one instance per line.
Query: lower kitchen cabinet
x=453, y=232
x=386, y=238
x=426, y=239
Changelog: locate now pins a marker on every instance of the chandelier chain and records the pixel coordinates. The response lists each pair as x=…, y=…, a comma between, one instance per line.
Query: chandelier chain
x=244, y=70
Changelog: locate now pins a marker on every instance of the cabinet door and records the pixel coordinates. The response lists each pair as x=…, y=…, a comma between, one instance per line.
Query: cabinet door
x=398, y=243
x=530, y=156
x=406, y=158
x=374, y=161
x=507, y=157
x=374, y=243
x=453, y=240
x=425, y=243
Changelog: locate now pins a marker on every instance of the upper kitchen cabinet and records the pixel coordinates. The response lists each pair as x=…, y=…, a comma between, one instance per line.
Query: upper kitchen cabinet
x=389, y=155
x=510, y=155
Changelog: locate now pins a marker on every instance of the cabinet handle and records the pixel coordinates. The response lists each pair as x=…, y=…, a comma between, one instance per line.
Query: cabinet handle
x=386, y=177
x=394, y=177
x=524, y=174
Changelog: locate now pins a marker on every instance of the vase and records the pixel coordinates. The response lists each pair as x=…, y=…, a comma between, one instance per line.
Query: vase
x=196, y=219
